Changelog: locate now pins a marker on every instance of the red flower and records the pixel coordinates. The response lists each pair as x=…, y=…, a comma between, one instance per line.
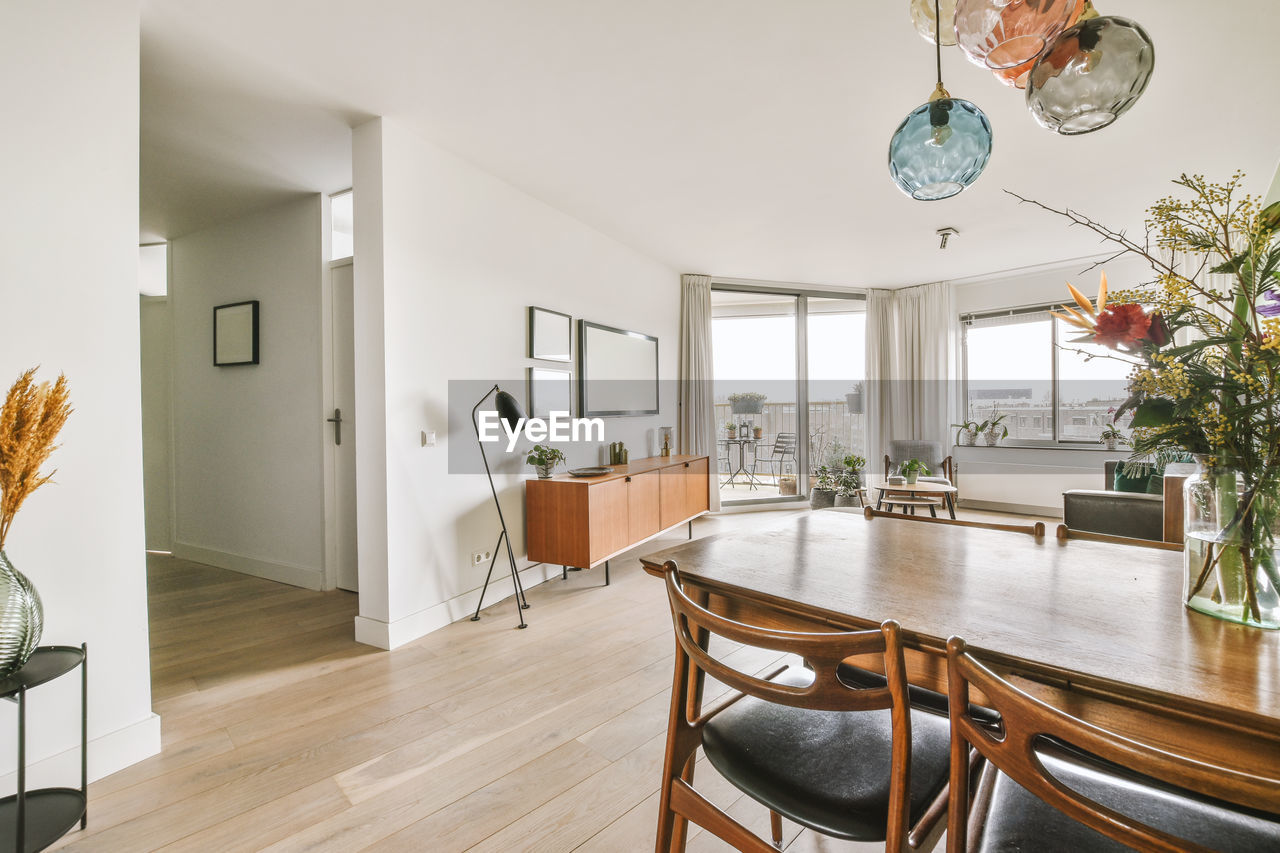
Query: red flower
x=1122, y=326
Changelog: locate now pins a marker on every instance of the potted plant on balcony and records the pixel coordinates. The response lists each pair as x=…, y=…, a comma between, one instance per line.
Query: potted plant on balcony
x=732, y=430
x=544, y=459
x=854, y=464
x=1112, y=437
x=912, y=469
x=823, y=493
x=747, y=402
x=967, y=433
x=854, y=401
x=993, y=428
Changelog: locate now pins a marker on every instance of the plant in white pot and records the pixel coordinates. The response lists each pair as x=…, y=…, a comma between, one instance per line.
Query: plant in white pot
x=912, y=469
x=544, y=459
x=747, y=402
x=847, y=488
x=1112, y=437
x=993, y=429
x=823, y=493
x=967, y=433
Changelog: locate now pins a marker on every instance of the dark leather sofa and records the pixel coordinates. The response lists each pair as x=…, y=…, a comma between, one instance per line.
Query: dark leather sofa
x=1138, y=516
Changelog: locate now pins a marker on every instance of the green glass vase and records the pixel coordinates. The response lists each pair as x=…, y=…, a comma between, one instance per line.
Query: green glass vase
x=21, y=617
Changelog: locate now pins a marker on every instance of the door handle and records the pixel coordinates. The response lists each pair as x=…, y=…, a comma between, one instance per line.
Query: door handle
x=336, y=420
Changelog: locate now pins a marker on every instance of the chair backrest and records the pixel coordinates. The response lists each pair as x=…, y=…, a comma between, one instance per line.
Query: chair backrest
x=1027, y=722
x=1064, y=533
x=823, y=653
x=784, y=444
x=928, y=452
x=1033, y=529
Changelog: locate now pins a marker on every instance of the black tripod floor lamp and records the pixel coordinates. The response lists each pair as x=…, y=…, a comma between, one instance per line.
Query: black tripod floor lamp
x=511, y=414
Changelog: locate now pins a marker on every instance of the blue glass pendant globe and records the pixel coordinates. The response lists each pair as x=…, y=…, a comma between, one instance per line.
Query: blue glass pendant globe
x=939, y=149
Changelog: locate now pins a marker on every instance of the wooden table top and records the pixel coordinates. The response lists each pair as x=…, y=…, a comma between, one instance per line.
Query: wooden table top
x=1086, y=614
x=921, y=487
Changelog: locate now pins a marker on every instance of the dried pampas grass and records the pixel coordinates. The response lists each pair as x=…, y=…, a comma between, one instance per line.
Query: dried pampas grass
x=30, y=420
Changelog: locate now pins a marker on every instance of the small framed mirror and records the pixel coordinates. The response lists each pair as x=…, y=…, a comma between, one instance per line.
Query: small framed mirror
x=550, y=335
x=235, y=333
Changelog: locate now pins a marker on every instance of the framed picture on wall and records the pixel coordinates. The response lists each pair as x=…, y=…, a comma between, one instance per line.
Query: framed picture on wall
x=235, y=333
x=617, y=372
x=550, y=335
x=550, y=390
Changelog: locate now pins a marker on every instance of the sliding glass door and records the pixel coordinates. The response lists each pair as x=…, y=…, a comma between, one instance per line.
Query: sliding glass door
x=788, y=388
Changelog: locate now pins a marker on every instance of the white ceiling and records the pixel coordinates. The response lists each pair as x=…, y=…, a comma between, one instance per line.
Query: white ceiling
x=741, y=138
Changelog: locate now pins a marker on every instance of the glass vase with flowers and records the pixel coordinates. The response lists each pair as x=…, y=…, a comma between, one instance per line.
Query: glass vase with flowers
x=1203, y=338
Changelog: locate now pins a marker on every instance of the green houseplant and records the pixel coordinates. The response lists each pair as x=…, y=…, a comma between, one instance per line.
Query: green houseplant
x=967, y=432
x=993, y=428
x=1203, y=339
x=1112, y=437
x=544, y=459
x=912, y=469
x=848, y=485
x=823, y=493
x=747, y=402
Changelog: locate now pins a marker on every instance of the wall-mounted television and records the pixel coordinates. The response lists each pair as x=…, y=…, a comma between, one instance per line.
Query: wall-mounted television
x=617, y=372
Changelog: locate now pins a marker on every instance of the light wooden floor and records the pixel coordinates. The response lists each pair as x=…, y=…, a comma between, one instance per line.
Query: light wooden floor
x=283, y=734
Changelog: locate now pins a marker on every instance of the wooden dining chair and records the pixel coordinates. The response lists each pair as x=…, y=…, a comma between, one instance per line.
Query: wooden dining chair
x=848, y=762
x=1065, y=533
x=1056, y=784
x=1034, y=529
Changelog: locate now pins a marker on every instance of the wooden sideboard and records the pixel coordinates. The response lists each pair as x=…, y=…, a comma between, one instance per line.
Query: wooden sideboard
x=581, y=522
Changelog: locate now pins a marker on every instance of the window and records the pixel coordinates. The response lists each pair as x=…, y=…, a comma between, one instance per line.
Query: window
x=342, y=242
x=1025, y=364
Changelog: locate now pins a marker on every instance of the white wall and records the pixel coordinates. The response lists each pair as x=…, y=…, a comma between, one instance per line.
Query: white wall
x=69, y=237
x=156, y=324
x=1023, y=477
x=248, y=440
x=447, y=260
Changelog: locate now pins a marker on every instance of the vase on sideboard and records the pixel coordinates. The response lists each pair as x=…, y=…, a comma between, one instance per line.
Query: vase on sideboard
x=21, y=617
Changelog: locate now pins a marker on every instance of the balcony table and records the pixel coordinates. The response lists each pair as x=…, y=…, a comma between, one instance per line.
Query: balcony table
x=1094, y=628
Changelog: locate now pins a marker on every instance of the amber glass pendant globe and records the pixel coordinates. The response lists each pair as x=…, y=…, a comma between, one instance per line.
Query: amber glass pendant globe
x=1091, y=75
x=922, y=17
x=940, y=148
x=1000, y=34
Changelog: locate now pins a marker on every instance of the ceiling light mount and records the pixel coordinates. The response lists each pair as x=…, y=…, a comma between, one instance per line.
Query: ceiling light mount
x=944, y=234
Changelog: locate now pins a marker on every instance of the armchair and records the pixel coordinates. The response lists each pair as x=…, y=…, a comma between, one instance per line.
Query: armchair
x=941, y=469
x=1155, y=517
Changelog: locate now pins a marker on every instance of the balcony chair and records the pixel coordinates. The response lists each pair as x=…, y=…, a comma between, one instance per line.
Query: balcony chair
x=941, y=469
x=784, y=448
x=804, y=743
x=1056, y=784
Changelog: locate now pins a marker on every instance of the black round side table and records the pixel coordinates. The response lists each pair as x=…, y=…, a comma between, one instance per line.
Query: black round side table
x=32, y=820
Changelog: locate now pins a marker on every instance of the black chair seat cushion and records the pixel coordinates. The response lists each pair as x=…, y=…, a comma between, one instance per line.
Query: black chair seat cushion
x=921, y=698
x=1018, y=820
x=827, y=770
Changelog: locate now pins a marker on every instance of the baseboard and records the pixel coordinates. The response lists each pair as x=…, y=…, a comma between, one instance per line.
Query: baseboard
x=107, y=754
x=392, y=635
x=1019, y=509
x=306, y=577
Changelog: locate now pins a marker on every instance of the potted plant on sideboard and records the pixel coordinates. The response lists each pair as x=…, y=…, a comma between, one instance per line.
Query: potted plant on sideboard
x=544, y=459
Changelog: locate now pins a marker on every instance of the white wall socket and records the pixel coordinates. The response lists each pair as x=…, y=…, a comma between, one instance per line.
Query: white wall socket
x=478, y=557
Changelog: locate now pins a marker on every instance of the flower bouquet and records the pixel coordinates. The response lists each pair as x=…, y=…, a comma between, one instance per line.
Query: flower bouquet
x=1204, y=341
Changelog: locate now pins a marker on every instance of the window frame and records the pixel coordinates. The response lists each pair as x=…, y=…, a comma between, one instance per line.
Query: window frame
x=1055, y=407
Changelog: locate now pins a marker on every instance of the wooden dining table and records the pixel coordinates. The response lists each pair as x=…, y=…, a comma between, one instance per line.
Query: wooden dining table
x=1096, y=629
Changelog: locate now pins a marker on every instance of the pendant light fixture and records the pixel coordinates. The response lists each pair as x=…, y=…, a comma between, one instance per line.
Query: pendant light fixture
x=1017, y=75
x=1091, y=75
x=925, y=17
x=998, y=34
x=942, y=146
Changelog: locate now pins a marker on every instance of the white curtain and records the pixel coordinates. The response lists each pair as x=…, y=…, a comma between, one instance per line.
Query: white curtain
x=911, y=341
x=696, y=421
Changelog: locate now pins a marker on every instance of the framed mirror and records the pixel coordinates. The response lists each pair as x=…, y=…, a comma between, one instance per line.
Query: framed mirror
x=550, y=335
x=618, y=372
x=550, y=390
x=235, y=333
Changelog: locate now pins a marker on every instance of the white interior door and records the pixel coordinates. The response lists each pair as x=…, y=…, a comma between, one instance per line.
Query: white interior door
x=342, y=424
